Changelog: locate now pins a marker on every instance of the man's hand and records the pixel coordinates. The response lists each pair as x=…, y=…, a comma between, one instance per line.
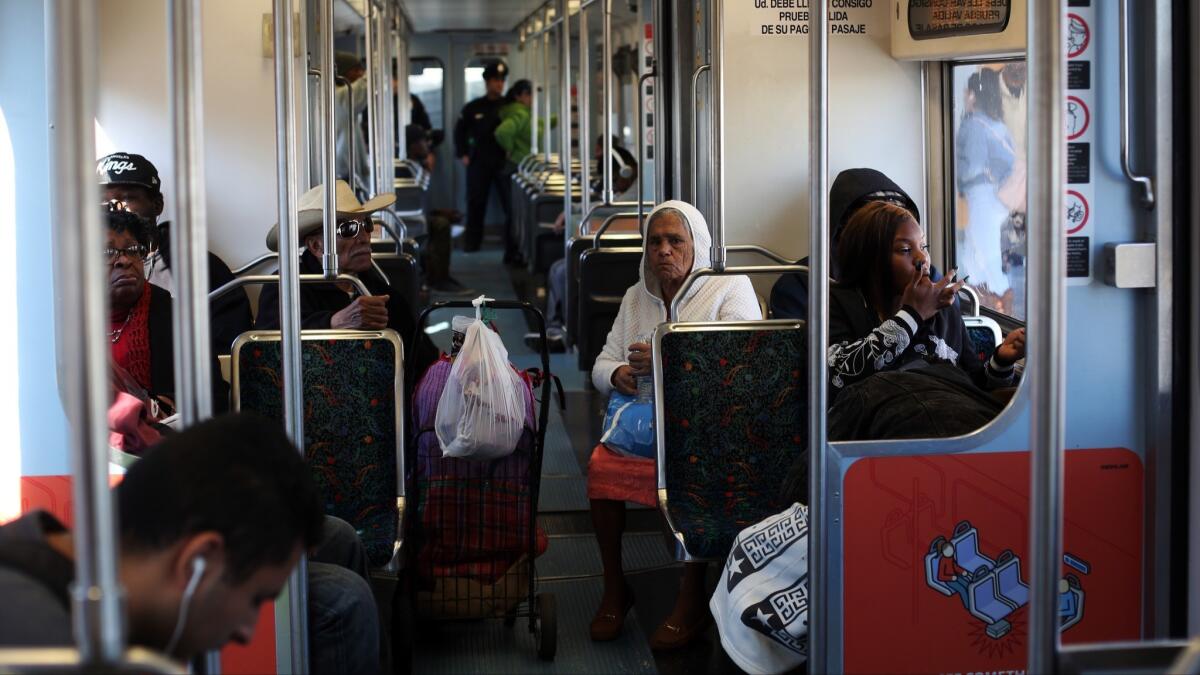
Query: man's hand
x=367, y=312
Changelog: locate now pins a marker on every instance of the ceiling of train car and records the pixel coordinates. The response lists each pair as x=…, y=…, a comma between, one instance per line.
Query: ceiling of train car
x=447, y=15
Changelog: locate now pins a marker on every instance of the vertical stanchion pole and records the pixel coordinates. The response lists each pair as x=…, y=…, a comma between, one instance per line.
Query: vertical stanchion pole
x=329, y=261
x=1047, y=326
x=585, y=118
x=717, y=137
x=82, y=315
x=564, y=30
x=818, y=329
x=607, y=60
x=289, y=297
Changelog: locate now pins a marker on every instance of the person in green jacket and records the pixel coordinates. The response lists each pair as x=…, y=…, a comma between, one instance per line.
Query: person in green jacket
x=514, y=131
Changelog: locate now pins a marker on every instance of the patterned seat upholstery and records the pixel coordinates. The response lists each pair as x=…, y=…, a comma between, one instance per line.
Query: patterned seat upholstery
x=351, y=426
x=733, y=403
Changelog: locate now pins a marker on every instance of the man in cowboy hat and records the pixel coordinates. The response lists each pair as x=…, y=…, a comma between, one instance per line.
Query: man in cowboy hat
x=332, y=305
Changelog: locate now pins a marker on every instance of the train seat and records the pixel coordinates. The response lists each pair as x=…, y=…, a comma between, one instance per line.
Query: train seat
x=605, y=274
x=353, y=427
x=402, y=274
x=931, y=567
x=985, y=602
x=985, y=334
x=732, y=407
x=1008, y=580
x=966, y=549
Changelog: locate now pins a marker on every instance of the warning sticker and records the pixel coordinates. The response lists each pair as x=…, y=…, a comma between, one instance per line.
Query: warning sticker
x=1078, y=219
x=1079, y=212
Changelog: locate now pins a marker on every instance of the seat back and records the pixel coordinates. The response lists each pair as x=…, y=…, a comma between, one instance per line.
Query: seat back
x=985, y=335
x=985, y=603
x=1008, y=581
x=604, y=277
x=966, y=548
x=402, y=274
x=353, y=422
x=731, y=418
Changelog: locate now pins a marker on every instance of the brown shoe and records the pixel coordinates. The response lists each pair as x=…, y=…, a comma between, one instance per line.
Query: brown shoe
x=607, y=626
x=669, y=636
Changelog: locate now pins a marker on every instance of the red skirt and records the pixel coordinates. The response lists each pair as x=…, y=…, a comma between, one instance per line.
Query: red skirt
x=620, y=478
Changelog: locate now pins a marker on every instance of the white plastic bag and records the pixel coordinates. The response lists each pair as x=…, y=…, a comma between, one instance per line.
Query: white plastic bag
x=481, y=413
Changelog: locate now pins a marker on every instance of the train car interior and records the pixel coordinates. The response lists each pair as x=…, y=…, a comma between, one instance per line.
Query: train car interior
x=614, y=336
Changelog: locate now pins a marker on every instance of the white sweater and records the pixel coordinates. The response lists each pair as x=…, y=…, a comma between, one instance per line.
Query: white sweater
x=727, y=298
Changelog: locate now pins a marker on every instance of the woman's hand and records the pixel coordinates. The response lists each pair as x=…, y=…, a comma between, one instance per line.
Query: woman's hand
x=623, y=380
x=1012, y=349
x=926, y=296
x=640, y=358
x=948, y=292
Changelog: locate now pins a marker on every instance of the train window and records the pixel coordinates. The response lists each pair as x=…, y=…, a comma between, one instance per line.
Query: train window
x=989, y=144
x=425, y=81
x=473, y=78
x=10, y=459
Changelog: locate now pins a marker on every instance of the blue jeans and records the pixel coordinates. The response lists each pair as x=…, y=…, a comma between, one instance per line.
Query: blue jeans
x=343, y=622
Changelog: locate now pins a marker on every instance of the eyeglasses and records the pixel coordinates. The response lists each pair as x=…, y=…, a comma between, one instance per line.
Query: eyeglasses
x=134, y=252
x=349, y=229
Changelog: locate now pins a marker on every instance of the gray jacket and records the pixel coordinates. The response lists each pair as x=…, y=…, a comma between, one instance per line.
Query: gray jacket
x=34, y=582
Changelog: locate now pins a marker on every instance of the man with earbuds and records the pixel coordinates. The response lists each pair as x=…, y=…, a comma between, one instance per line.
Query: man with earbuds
x=211, y=523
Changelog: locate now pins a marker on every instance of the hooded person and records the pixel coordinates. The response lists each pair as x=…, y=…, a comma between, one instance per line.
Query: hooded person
x=851, y=190
x=677, y=244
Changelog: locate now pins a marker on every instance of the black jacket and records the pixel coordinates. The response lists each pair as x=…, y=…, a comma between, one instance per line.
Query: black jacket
x=162, y=354
x=319, y=302
x=789, y=296
x=475, y=131
x=229, y=315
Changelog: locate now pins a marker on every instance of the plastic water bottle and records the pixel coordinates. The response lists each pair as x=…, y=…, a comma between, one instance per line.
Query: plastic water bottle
x=645, y=383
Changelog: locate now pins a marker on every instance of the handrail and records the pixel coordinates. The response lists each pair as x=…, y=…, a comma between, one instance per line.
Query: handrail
x=585, y=114
x=696, y=132
x=820, y=647
x=716, y=115
x=70, y=659
x=761, y=250
x=696, y=275
x=565, y=101
x=641, y=139
x=1188, y=661
x=1146, y=182
x=1047, y=326
x=266, y=257
x=329, y=263
x=608, y=222
x=607, y=61
x=289, y=301
x=82, y=318
x=255, y=279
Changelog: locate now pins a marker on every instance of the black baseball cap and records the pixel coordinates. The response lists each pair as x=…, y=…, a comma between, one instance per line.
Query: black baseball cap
x=496, y=70
x=124, y=168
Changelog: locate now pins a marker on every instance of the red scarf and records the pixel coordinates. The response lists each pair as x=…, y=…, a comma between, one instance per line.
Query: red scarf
x=131, y=350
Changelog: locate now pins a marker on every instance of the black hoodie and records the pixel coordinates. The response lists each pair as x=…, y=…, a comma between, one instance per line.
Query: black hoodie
x=849, y=192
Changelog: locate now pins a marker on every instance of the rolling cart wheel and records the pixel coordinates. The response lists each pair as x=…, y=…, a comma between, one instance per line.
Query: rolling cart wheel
x=546, y=629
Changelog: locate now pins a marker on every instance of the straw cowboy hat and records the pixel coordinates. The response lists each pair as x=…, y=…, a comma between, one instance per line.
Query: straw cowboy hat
x=311, y=209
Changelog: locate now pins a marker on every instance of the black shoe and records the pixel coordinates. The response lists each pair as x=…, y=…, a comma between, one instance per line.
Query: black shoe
x=450, y=286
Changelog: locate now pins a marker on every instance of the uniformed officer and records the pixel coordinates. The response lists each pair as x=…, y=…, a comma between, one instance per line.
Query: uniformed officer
x=476, y=147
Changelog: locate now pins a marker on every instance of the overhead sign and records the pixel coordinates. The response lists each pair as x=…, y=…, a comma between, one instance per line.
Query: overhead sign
x=928, y=19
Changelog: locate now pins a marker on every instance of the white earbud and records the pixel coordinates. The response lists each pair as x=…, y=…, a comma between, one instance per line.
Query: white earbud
x=625, y=171
x=198, y=565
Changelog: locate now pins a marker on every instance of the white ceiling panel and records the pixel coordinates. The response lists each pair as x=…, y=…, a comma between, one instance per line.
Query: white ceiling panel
x=499, y=15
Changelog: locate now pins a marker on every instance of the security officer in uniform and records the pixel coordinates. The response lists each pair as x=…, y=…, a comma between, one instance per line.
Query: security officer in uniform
x=476, y=147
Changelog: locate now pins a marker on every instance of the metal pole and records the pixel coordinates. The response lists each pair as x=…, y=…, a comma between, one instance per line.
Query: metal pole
x=546, y=86
x=607, y=60
x=374, y=96
x=641, y=141
x=819, y=648
x=329, y=262
x=289, y=296
x=1047, y=326
x=96, y=596
x=565, y=83
x=193, y=350
x=695, y=156
x=717, y=132
x=585, y=117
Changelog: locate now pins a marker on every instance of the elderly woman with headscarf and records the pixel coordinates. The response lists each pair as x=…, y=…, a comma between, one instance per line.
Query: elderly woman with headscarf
x=677, y=243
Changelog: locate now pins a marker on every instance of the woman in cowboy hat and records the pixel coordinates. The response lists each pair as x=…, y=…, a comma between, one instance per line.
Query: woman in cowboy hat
x=335, y=305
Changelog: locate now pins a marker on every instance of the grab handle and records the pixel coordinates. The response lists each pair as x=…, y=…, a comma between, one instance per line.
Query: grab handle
x=696, y=130
x=1146, y=182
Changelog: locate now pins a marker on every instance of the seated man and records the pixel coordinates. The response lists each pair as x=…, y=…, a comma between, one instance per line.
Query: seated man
x=195, y=564
x=851, y=190
x=141, y=332
x=324, y=306
x=133, y=180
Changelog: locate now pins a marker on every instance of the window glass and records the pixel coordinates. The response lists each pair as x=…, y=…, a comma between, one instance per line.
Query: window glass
x=425, y=80
x=473, y=78
x=989, y=182
x=10, y=420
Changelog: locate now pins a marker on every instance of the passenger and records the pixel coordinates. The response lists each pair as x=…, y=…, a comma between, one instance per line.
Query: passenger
x=435, y=256
x=195, y=562
x=851, y=190
x=624, y=168
x=886, y=314
x=353, y=91
x=516, y=124
x=133, y=180
x=325, y=306
x=140, y=327
x=677, y=244
x=950, y=573
x=476, y=147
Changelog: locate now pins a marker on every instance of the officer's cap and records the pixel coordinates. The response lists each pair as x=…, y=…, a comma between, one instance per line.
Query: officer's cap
x=496, y=70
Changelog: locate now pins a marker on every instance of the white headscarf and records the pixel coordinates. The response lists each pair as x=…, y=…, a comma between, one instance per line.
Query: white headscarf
x=701, y=245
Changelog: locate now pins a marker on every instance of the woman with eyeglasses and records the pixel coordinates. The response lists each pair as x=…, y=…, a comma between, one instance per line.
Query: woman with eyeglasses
x=338, y=305
x=140, y=331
